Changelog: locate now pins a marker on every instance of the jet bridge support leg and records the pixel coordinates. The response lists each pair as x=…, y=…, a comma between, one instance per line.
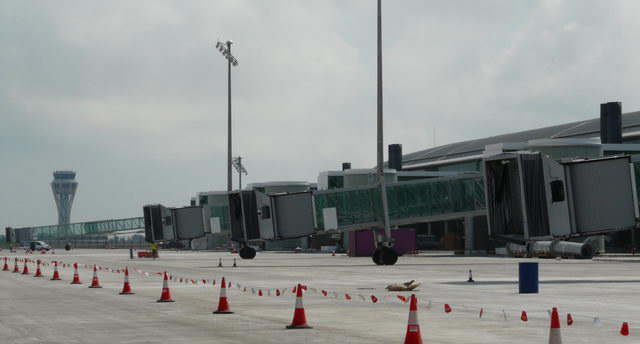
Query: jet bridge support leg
x=384, y=254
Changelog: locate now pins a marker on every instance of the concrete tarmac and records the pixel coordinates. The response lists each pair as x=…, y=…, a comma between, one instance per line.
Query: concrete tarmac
x=37, y=310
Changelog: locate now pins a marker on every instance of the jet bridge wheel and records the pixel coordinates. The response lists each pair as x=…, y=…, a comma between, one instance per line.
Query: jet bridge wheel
x=247, y=252
x=388, y=256
x=376, y=256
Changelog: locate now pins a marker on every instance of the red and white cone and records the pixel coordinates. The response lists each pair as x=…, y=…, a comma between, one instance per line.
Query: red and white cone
x=56, y=274
x=223, y=304
x=6, y=266
x=38, y=271
x=15, y=266
x=126, y=288
x=299, y=318
x=554, y=334
x=25, y=270
x=166, y=294
x=95, y=282
x=413, y=335
x=76, y=276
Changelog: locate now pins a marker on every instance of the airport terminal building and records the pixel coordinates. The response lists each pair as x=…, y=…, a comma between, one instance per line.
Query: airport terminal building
x=441, y=194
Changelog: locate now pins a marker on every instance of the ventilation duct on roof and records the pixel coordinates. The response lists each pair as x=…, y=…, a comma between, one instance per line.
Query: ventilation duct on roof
x=395, y=156
x=611, y=122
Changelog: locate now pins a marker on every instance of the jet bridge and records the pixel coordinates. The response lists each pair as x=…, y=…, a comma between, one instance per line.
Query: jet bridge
x=532, y=199
x=536, y=201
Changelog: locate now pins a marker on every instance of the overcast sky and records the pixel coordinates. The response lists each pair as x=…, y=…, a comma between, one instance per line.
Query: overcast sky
x=133, y=96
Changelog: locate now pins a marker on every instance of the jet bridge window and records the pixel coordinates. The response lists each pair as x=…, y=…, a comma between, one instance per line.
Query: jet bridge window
x=557, y=191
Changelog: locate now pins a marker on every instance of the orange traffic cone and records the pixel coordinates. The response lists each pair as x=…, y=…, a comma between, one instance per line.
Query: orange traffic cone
x=15, y=267
x=25, y=270
x=223, y=304
x=56, y=274
x=76, y=277
x=126, y=288
x=95, y=283
x=299, y=318
x=624, y=330
x=6, y=266
x=413, y=335
x=38, y=271
x=554, y=334
x=166, y=294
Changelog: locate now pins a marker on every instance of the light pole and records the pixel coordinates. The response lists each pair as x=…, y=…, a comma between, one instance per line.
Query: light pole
x=380, y=168
x=237, y=164
x=231, y=60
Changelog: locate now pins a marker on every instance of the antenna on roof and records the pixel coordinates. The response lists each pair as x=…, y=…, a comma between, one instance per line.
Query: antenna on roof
x=434, y=135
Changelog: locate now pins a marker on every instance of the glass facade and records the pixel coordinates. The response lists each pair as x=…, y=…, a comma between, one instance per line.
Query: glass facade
x=222, y=212
x=83, y=228
x=405, y=200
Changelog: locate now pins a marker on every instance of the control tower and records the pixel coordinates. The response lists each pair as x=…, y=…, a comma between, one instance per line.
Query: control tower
x=64, y=187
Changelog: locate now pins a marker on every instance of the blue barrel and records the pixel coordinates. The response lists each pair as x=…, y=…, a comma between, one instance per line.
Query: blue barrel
x=528, y=278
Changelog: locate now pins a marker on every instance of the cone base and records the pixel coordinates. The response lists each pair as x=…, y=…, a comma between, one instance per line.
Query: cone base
x=222, y=312
x=25, y=273
x=166, y=300
x=127, y=293
x=75, y=283
x=298, y=326
x=55, y=279
x=95, y=286
x=38, y=276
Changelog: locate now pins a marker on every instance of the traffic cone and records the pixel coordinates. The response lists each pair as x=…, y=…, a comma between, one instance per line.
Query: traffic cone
x=299, y=318
x=447, y=308
x=95, y=283
x=569, y=319
x=76, y=277
x=56, y=275
x=413, y=335
x=6, y=266
x=524, y=317
x=15, y=267
x=234, y=263
x=166, y=294
x=38, y=271
x=624, y=330
x=223, y=304
x=126, y=288
x=25, y=270
x=470, y=280
x=554, y=334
